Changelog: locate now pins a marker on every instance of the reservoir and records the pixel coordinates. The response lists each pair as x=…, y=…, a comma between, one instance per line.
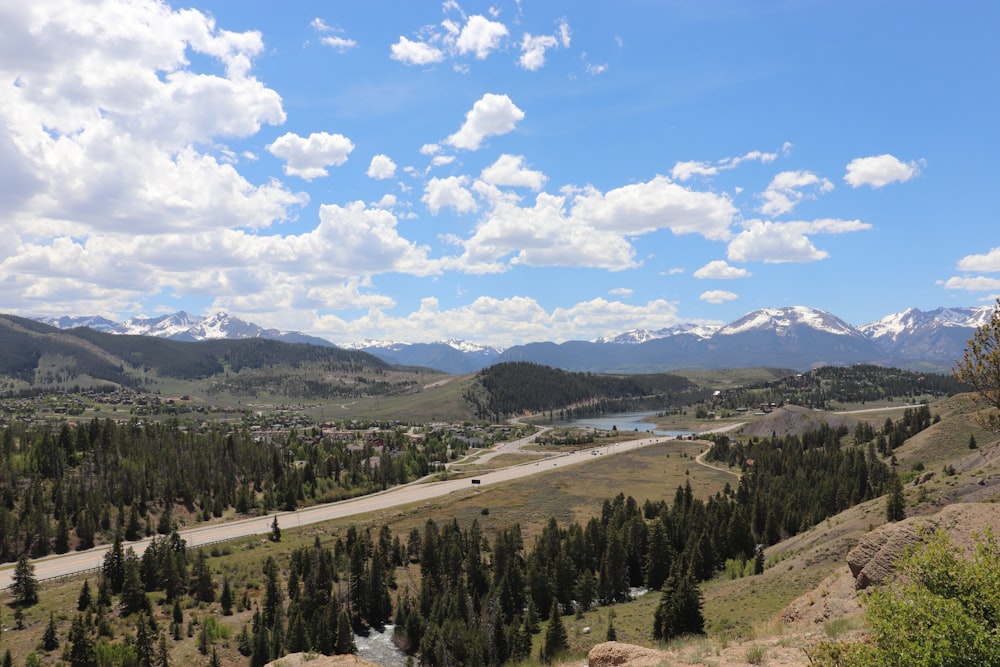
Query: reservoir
x=621, y=421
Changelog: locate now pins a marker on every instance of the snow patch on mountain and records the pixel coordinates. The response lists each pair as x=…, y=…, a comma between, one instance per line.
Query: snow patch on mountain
x=892, y=327
x=639, y=336
x=781, y=320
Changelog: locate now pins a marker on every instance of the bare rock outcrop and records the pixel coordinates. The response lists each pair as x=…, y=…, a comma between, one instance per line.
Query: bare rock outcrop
x=611, y=654
x=873, y=561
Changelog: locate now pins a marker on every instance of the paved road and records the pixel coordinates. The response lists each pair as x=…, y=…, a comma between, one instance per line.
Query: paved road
x=77, y=562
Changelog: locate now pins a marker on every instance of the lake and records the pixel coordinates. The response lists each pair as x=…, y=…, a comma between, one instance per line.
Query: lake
x=622, y=421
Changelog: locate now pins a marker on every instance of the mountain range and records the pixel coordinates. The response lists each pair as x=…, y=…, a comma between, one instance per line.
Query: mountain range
x=796, y=337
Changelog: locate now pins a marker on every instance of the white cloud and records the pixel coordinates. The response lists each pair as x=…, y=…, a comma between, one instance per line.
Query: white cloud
x=415, y=53
x=785, y=191
x=987, y=263
x=510, y=321
x=387, y=201
x=594, y=70
x=621, y=291
x=491, y=115
x=783, y=242
x=510, y=170
x=441, y=160
x=880, y=170
x=685, y=170
x=590, y=228
x=718, y=296
x=564, y=33
x=533, y=50
x=721, y=270
x=319, y=25
x=449, y=192
x=477, y=36
x=480, y=36
x=430, y=149
x=640, y=208
x=381, y=167
x=308, y=157
x=973, y=284
x=229, y=264
x=340, y=44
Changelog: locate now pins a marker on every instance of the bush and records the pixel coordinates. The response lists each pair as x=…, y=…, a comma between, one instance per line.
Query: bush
x=944, y=612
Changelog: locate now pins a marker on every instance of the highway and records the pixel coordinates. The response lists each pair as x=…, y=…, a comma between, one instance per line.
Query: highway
x=76, y=562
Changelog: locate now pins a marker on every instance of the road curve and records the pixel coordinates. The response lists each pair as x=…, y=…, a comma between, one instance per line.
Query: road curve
x=76, y=562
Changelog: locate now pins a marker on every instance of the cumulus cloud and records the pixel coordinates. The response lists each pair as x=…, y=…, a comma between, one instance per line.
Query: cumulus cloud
x=228, y=264
x=621, y=291
x=880, y=170
x=308, y=157
x=381, y=167
x=986, y=263
x=491, y=115
x=480, y=36
x=477, y=36
x=415, y=53
x=510, y=170
x=787, y=189
x=786, y=242
x=110, y=127
x=973, y=284
x=590, y=228
x=449, y=192
x=718, y=296
x=533, y=50
x=721, y=270
x=512, y=320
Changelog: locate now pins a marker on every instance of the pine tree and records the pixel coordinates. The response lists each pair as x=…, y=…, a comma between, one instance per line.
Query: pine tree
x=556, y=640
x=114, y=565
x=895, y=504
x=202, y=587
x=84, y=601
x=82, y=652
x=345, y=635
x=50, y=640
x=275, y=530
x=226, y=599
x=23, y=585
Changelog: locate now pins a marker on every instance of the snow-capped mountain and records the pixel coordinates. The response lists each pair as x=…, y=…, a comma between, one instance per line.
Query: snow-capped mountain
x=164, y=326
x=796, y=337
x=912, y=320
x=452, y=356
x=781, y=321
x=95, y=322
x=184, y=326
x=639, y=336
x=915, y=335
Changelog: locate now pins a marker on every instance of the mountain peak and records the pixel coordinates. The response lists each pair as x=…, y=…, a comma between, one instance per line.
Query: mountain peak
x=782, y=320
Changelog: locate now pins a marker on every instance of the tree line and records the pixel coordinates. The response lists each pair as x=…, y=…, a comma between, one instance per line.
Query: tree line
x=78, y=484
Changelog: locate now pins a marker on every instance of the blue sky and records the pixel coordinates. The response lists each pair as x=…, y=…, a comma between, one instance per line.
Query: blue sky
x=498, y=172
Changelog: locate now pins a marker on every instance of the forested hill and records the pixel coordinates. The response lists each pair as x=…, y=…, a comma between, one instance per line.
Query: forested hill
x=508, y=389
x=825, y=387
x=120, y=359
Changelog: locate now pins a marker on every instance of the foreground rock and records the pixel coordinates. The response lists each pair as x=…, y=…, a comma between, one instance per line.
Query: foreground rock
x=873, y=561
x=612, y=654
